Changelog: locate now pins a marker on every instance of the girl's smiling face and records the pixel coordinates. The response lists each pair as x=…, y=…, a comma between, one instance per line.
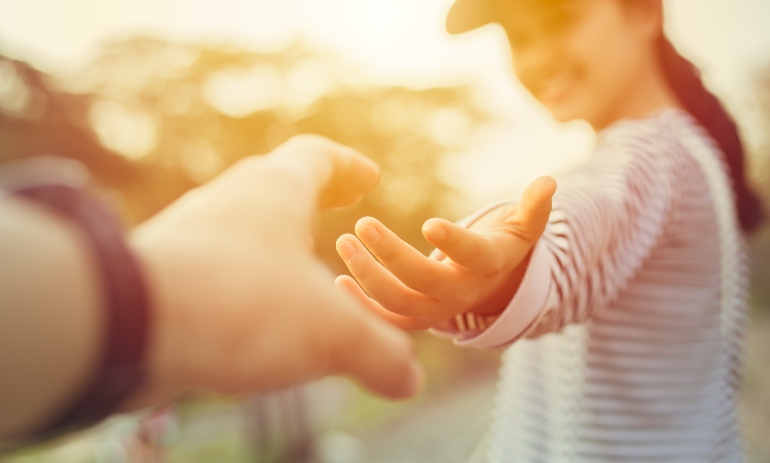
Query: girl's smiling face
x=582, y=59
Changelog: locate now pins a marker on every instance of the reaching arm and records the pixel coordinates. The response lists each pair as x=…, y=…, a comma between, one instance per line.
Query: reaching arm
x=50, y=317
x=239, y=302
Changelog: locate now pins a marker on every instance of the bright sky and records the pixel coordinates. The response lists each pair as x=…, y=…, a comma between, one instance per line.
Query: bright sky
x=396, y=42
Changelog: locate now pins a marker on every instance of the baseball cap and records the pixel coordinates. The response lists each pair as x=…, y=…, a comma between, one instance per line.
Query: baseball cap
x=466, y=15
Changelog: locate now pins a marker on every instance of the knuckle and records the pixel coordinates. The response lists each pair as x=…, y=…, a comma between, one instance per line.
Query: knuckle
x=529, y=234
x=424, y=282
x=398, y=304
x=453, y=238
x=363, y=273
x=495, y=264
x=473, y=249
x=469, y=297
x=388, y=255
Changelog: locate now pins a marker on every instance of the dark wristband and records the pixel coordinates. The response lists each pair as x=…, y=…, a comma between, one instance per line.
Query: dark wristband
x=120, y=368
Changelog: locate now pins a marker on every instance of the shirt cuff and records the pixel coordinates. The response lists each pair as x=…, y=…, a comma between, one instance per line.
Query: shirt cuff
x=525, y=306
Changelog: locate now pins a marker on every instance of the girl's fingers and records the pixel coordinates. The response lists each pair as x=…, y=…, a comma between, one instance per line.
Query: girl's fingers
x=349, y=286
x=409, y=265
x=532, y=212
x=385, y=288
x=466, y=248
x=525, y=221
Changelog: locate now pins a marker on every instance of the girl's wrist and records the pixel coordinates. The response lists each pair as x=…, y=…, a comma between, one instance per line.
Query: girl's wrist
x=497, y=301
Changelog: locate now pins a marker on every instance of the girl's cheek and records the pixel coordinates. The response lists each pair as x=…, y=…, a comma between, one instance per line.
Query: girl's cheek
x=595, y=74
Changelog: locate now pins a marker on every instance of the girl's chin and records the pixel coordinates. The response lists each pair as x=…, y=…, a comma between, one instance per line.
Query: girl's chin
x=562, y=113
x=568, y=110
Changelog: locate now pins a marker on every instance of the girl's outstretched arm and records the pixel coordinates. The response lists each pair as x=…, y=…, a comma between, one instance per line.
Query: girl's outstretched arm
x=524, y=270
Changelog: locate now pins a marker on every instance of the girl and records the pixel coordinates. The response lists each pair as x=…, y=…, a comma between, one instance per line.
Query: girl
x=623, y=295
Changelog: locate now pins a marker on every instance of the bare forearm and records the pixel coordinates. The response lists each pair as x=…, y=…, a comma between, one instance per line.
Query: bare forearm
x=499, y=299
x=50, y=321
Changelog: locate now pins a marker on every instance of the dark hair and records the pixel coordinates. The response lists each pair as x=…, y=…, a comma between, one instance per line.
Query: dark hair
x=686, y=82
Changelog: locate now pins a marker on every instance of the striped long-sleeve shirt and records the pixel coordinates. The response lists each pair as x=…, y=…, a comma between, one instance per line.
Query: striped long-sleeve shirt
x=626, y=333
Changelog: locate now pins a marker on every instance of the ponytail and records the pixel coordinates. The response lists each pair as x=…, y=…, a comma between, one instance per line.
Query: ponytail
x=686, y=82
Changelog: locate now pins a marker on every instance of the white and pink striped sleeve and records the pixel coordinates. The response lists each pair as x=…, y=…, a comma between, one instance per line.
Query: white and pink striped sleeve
x=607, y=218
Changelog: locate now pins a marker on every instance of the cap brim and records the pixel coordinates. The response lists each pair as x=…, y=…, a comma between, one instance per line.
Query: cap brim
x=466, y=15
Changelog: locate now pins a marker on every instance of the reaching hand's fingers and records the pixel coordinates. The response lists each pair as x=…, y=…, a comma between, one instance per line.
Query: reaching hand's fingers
x=409, y=265
x=379, y=355
x=338, y=174
x=466, y=248
x=349, y=286
x=534, y=209
x=383, y=287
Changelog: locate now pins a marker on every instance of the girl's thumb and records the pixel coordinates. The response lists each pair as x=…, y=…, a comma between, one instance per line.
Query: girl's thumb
x=534, y=209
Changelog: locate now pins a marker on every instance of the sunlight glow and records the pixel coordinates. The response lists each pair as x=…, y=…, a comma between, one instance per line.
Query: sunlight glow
x=394, y=42
x=131, y=133
x=238, y=93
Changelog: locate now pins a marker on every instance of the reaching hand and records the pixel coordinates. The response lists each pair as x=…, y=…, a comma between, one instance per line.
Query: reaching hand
x=241, y=303
x=480, y=270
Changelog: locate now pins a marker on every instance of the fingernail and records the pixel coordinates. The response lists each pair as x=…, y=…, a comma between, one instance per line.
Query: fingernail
x=347, y=250
x=437, y=233
x=370, y=235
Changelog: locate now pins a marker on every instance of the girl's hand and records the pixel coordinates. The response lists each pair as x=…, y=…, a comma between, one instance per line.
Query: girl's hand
x=480, y=271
